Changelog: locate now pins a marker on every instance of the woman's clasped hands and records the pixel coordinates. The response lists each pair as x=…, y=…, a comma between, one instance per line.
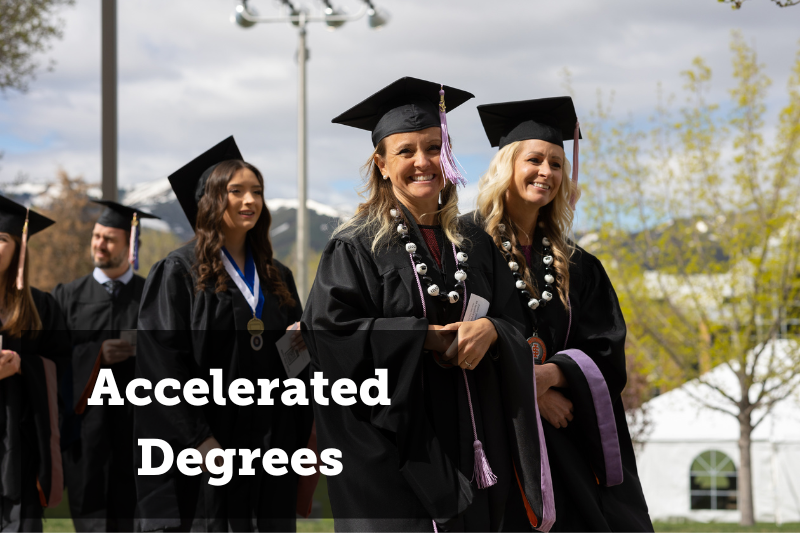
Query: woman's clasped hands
x=462, y=343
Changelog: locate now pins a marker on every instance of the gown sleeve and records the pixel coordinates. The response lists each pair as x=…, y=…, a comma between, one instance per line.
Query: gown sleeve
x=594, y=365
x=42, y=356
x=349, y=336
x=81, y=375
x=164, y=350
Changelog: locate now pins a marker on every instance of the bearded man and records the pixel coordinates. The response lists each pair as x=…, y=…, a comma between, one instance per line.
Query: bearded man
x=101, y=310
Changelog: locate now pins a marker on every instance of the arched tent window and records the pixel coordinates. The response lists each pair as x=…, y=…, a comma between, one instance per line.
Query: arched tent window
x=713, y=481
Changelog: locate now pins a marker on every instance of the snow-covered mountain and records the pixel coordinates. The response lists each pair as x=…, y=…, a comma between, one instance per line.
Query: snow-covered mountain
x=157, y=197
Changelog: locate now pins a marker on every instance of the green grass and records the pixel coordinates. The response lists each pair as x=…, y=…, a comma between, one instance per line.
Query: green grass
x=722, y=526
x=311, y=525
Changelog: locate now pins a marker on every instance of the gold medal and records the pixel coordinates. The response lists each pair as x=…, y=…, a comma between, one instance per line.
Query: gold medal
x=255, y=326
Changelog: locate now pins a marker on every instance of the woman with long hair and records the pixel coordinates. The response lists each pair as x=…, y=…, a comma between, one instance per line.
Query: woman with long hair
x=218, y=305
x=572, y=318
x=34, y=343
x=408, y=295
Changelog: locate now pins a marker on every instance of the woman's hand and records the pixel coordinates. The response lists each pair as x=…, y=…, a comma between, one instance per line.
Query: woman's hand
x=555, y=408
x=548, y=375
x=473, y=340
x=298, y=343
x=438, y=340
x=9, y=363
x=205, y=447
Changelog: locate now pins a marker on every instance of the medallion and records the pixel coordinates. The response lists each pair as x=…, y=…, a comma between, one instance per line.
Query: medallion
x=256, y=342
x=255, y=326
x=538, y=349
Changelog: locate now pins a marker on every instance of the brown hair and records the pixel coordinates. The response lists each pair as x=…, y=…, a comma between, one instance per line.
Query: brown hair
x=374, y=214
x=23, y=315
x=555, y=217
x=209, y=238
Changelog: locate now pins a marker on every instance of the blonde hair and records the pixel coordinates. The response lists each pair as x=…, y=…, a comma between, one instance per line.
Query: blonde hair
x=23, y=316
x=373, y=215
x=557, y=217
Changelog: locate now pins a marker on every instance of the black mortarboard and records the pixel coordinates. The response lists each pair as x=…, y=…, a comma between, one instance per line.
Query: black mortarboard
x=119, y=216
x=189, y=182
x=12, y=218
x=408, y=104
x=547, y=119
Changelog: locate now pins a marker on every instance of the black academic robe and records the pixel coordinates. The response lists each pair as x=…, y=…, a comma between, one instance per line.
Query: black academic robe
x=98, y=454
x=412, y=461
x=182, y=335
x=595, y=480
x=31, y=475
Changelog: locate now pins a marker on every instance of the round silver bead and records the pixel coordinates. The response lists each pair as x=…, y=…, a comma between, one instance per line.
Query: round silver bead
x=453, y=296
x=462, y=257
x=548, y=260
x=507, y=245
x=548, y=278
x=547, y=296
x=460, y=275
x=422, y=269
x=520, y=284
x=433, y=290
x=513, y=266
x=533, y=303
x=394, y=212
x=546, y=241
x=411, y=247
x=402, y=229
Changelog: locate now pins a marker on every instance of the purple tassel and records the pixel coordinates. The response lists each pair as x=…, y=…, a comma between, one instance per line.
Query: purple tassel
x=482, y=474
x=447, y=160
x=484, y=477
x=575, y=152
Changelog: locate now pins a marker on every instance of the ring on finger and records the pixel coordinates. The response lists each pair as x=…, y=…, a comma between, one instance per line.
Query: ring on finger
x=468, y=364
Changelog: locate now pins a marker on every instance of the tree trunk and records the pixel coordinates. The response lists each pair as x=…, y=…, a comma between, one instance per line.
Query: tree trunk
x=745, y=471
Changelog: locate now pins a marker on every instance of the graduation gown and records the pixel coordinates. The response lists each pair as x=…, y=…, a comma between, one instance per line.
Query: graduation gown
x=412, y=461
x=97, y=440
x=592, y=461
x=31, y=475
x=182, y=334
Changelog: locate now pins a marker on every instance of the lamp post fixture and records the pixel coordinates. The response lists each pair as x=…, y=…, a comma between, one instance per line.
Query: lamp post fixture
x=246, y=17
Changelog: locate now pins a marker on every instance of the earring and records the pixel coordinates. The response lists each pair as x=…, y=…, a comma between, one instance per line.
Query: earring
x=385, y=177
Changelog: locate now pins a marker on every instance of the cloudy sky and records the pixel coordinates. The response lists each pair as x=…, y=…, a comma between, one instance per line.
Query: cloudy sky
x=188, y=77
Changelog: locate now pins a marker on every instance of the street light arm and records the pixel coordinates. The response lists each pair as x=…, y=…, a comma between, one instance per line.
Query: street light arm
x=302, y=17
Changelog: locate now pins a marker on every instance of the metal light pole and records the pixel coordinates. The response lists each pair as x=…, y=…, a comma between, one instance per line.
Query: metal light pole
x=109, y=99
x=246, y=17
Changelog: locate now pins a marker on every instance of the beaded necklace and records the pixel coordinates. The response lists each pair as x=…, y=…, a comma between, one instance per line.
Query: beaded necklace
x=536, y=343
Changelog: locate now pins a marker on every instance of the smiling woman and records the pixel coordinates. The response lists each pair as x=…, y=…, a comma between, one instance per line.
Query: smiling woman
x=220, y=302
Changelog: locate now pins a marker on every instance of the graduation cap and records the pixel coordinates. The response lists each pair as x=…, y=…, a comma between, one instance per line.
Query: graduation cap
x=406, y=105
x=189, y=182
x=18, y=220
x=119, y=216
x=547, y=119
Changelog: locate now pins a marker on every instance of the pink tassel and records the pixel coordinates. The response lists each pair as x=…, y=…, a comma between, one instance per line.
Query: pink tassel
x=133, y=249
x=22, y=249
x=482, y=474
x=484, y=477
x=447, y=160
x=575, y=152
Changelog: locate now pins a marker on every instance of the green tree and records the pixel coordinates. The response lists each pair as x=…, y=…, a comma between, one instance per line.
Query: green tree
x=698, y=227
x=27, y=28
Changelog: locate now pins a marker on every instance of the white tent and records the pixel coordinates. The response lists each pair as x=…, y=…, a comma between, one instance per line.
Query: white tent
x=689, y=459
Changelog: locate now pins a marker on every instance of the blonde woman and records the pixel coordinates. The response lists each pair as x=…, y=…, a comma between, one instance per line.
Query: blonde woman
x=34, y=340
x=451, y=442
x=572, y=318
